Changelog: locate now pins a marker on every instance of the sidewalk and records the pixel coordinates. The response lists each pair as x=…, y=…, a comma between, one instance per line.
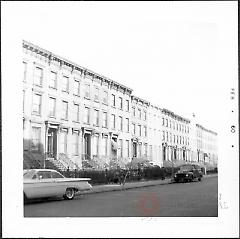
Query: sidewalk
x=130, y=185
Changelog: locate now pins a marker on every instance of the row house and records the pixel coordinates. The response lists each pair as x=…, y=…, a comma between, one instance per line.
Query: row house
x=175, y=137
x=139, y=130
x=71, y=113
x=155, y=135
x=206, y=145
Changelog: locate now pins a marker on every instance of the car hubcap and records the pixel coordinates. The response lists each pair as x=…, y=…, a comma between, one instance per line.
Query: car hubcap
x=70, y=193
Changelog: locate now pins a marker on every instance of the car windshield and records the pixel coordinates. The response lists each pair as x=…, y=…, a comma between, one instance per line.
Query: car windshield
x=186, y=168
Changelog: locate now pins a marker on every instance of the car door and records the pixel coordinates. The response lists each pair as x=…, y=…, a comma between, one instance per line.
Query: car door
x=59, y=184
x=42, y=184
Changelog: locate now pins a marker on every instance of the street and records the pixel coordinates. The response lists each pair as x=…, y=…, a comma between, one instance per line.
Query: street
x=195, y=199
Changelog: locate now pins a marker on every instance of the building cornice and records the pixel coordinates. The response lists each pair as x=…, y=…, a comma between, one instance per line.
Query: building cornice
x=207, y=130
x=84, y=71
x=133, y=97
x=178, y=117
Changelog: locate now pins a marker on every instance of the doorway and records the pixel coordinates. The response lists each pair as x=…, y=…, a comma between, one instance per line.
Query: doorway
x=52, y=143
x=134, y=149
x=87, y=146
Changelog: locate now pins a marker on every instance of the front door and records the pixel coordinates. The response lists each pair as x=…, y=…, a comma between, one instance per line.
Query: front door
x=52, y=143
x=134, y=149
x=87, y=145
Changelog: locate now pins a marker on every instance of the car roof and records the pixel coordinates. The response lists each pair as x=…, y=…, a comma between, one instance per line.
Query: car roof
x=41, y=169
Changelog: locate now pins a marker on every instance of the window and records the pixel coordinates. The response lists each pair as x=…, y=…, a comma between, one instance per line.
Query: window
x=133, y=129
x=96, y=117
x=127, y=124
x=180, y=139
x=53, y=80
x=36, y=138
x=65, y=84
x=183, y=140
x=113, y=121
x=56, y=175
x=76, y=87
x=96, y=145
x=170, y=137
x=24, y=71
x=120, y=123
x=139, y=114
x=167, y=136
x=63, y=140
x=145, y=131
x=150, y=151
x=65, y=110
x=96, y=94
x=170, y=124
x=127, y=105
x=144, y=115
x=87, y=91
x=120, y=103
x=52, y=107
x=134, y=111
x=173, y=124
x=139, y=130
x=140, y=150
x=177, y=139
x=166, y=122
x=38, y=75
x=75, y=141
x=176, y=126
x=105, y=119
x=105, y=143
x=120, y=148
x=128, y=148
x=105, y=97
x=174, y=139
x=162, y=121
x=23, y=100
x=145, y=149
x=76, y=112
x=86, y=115
x=36, y=106
x=163, y=134
x=113, y=100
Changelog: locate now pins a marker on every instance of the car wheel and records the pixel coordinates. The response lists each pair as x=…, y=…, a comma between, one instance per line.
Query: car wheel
x=69, y=194
x=199, y=179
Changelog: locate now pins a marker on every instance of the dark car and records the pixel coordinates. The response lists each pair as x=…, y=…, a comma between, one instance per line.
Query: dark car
x=187, y=173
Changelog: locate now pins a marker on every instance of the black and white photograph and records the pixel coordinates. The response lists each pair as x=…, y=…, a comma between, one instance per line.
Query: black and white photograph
x=120, y=119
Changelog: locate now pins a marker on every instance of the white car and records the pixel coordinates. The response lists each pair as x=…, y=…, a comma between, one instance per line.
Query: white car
x=39, y=183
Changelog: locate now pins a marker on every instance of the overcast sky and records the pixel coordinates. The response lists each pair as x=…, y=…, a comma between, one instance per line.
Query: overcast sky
x=168, y=53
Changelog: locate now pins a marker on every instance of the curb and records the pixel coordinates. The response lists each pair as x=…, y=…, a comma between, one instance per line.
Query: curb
x=111, y=188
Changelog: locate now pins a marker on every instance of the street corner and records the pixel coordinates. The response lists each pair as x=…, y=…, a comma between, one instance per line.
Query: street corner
x=148, y=204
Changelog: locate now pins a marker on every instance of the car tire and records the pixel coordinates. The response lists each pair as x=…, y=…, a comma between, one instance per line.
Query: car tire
x=199, y=179
x=69, y=194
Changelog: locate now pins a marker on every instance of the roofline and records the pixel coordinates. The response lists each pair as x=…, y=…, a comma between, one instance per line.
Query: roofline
x=164, y=110
x=208, y=130
x=52, y=56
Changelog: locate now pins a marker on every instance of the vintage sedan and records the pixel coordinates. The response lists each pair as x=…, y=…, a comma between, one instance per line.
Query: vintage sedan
x=44, y=183
x=188, y=172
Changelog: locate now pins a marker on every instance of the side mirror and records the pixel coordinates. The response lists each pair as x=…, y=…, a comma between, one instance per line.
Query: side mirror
x=40, y=177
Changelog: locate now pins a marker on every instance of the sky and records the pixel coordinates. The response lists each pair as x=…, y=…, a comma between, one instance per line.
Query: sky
x=178, y=55
x=168, y=53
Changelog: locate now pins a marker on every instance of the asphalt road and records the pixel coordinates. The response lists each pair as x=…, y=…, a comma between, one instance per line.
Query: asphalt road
x=195, y=199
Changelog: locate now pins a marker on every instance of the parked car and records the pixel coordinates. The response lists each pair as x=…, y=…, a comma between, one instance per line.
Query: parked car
x=188, y=172
x=43, y=183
